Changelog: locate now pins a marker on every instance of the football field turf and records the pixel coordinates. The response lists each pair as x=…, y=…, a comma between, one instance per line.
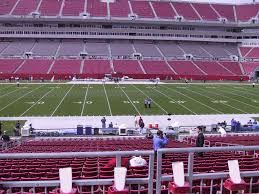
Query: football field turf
x=97, y=99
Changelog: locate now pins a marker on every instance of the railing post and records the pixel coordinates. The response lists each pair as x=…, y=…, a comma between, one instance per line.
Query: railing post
x=190, y=169
x=158, y=172
x=151, y=173
x=118, y=161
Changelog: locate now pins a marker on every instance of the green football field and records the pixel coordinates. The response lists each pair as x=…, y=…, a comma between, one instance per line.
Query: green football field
x=97, y=99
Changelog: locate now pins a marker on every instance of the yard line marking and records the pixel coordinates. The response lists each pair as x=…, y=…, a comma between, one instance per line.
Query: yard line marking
x=251, y=92
x=175, y=101
x=86, y=93
x=62, y=100
x=20, y=98
x=107, y=100
x=215, y=99
x=152, y=99
x=6, y=87
x=37, y=102
x=194, y=99
x=9, y=92
x=129, y=100
x=244, y=93
x=233, y=99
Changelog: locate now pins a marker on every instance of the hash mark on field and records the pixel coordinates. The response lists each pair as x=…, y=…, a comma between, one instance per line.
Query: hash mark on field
x=152, y=99
x=86, y=92
x=129, y=100
x=62, y=100
x=107, y=100
x=195, y=100
x=20, y=98
x=9, y=93
x=174, y=101
x=215, y=99
x=221, y=94
x=37, y=102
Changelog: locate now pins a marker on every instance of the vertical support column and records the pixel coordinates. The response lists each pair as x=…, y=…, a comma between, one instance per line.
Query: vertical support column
x=151, y=173
x=190, y=168
x=158, y=172
x=118, y=160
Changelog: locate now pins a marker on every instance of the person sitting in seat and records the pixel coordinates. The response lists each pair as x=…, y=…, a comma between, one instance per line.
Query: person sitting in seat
x=6, y=139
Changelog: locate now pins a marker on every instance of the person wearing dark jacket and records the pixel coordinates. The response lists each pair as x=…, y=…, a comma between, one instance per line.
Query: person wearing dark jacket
x=200, y=140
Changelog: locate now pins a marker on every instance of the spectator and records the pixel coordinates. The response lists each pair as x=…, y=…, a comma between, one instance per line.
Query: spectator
x=233, y=125
x=159, y=141
x=18, y=125
x=110, y=125
x=255, y=122
x=6, y=139
x=136, y=121
x=250, y=123
x=200, y=140
x=103, y=122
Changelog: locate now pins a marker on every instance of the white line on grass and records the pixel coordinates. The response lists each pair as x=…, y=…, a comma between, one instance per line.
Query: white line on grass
x=194, y=99
x=215, y=99
x=83, y=107
x=175, y=101
x=231, y=99
x=62, y=100
x=37, y=102
x=247, y=90
x=129, y=99
x=107, y=100
x=6, y=87
x=6, y=94
x=242, y=92
x=20, y=98
x=153, y=100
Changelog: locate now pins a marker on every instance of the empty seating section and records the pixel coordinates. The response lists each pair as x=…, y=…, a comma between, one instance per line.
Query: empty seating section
x=17, y=48
x=121, y=48
x=164, y=10
x=127, y=67
x=9, y=66
x=73, y=7
x=185, y=10
x=205, y=11
x=120, y=8
x=225, y=11
x=194, y=49
x=25, y=7
x=45, y=48
x=97, y=67
x=245, y=50
x=66, y=66
x=156, y=67
x=233, y=67
x=35, y=66
x=253, y=53
x=247, y=11
x=70, y=48
x=185, y=68
x=212, y=68
x=100, y=49
x=170, y=49
x=249, y=67
x=216, y=50
x=3, y=45
x=231, y=49
x=96, y=8
x=50, y=7
x=147, y=49
x=142, y=9
x=6, y=6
